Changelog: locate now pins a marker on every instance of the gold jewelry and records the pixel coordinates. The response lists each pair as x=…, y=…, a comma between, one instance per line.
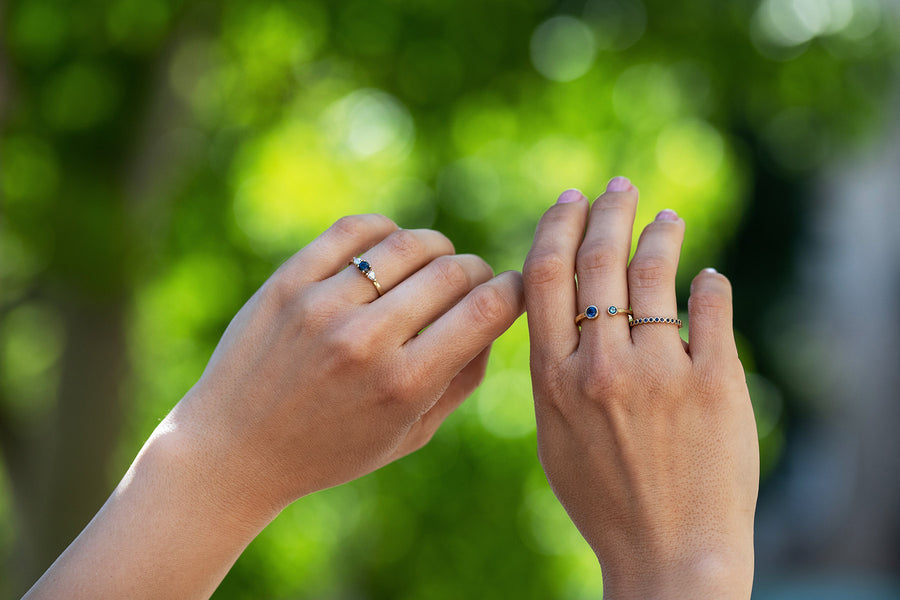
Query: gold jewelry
x=366, y=269
x=592, y=312
x=663, y=320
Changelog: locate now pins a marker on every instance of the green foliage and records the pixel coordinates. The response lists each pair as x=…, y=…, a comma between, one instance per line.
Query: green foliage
x=173, y=153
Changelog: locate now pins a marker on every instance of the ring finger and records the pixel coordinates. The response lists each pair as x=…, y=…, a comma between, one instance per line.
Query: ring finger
x=389, y=262
x=651, y=278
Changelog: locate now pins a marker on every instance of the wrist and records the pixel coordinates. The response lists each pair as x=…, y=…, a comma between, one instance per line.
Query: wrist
x=705, y=574
x=204, y=477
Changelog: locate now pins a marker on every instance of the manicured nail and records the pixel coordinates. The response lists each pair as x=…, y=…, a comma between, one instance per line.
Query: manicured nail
x=709, y=270
x=667, y=215
x=619, y=184
x=572, y=195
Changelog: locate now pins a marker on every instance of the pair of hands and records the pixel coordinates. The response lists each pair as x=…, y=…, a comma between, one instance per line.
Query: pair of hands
x=649, y=443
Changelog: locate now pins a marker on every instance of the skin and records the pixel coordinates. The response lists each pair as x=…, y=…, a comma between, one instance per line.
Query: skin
x=316, y=381
x=649, y=443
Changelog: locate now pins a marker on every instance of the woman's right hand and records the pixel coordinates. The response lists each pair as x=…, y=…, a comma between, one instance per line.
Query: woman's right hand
x=650, y=444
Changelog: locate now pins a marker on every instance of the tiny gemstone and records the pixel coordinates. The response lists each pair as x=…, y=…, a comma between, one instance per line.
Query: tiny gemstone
x=363, y=266
x=591, y=312
x=371, y=275
x=657, y=319
x=612, y=310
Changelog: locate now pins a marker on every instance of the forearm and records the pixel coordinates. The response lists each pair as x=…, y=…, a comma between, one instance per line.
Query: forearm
x=164, y=532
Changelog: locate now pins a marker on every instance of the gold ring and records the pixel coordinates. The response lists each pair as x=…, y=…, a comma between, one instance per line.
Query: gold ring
x=366, y=269
x=663, y=320
x=592, y=312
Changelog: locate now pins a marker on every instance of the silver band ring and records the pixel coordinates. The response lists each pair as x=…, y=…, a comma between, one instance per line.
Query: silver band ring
x=366, y=269
x=662, y=320
x=592, y=312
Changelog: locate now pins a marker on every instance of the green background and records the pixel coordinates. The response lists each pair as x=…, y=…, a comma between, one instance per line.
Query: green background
x=158, y=159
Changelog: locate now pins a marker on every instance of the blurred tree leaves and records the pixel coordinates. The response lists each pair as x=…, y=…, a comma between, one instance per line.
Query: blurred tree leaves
x=164, y=156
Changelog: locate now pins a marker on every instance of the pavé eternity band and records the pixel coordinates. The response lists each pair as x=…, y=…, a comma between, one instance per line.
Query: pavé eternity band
x=663, y=320
x=366, y=269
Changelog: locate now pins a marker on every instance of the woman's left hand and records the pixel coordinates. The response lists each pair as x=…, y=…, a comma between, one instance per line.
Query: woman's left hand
x=318, y=380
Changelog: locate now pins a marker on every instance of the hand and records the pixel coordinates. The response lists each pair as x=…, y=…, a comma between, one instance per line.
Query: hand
x=650, y=444
x=317, y=380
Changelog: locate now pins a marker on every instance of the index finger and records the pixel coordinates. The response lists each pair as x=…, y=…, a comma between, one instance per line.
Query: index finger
x=549, y=273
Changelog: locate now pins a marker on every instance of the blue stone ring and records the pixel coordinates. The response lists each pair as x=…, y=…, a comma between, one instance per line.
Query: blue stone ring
x=592, y=312
x=366, y=269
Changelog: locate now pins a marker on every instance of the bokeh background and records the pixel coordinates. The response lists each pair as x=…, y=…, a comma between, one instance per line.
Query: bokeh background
x=159, y=158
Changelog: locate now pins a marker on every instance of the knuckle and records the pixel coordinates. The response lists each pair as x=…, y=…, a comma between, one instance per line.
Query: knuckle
x=648, y=271
x=708, y=302
x=606, y=385
x=545, y=269
x=488, y=305
x=599, y=258
x=405, y=244
x=710, y=385
x=313, y=313
x=401, y=385
x=451, y=273
x=280, y=290
x=615, y=202
x=350, y=345
x=349, y=226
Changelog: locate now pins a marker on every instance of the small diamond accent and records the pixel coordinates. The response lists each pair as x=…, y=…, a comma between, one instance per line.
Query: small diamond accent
x=371, y=275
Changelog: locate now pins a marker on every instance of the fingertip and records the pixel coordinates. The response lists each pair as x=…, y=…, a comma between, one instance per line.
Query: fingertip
x=667, y=214
x=516, y=284
x=451, y=247
x=620, y=184
x=712, y=279
x=485, y=265
x=571, y=195
x=710, y=313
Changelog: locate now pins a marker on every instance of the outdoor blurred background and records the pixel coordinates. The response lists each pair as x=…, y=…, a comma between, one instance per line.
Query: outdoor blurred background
x=159, y=158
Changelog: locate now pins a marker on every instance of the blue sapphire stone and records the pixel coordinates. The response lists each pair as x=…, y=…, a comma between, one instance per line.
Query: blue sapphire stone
x=612, y=310
x=591, y=312
x=363, y=266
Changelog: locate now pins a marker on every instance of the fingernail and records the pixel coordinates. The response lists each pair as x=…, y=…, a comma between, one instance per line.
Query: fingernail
x=572, y=195
x=619, y=184
x=709, y=270
x=667, y=215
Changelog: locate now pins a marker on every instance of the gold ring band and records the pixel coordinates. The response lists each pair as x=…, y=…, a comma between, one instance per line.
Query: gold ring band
x=366, y=269
x=662, y=320
x=592, y=312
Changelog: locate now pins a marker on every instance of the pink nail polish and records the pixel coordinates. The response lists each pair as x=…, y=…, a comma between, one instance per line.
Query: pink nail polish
x=667, y=215
x=572, y=195
x=619, y=184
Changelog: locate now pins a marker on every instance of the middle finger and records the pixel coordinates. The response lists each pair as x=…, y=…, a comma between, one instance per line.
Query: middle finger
x=602, y=262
